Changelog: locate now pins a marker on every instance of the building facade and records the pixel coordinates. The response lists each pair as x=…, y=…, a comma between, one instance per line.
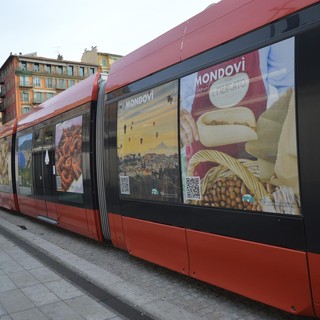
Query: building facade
x=28, y=80
x=103, y=60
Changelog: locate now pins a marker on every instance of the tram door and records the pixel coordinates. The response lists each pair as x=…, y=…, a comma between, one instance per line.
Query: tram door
x=44, y=178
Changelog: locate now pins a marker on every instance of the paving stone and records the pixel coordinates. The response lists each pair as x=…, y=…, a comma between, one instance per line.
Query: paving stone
x=3, y=240
x=16, y=253
x=90, y=309
x=31, y=314
x=6, y=284
x=23, y=279
x=10, y=266
x=4, y=256
x=14, y=301
x=40, y=295
x=63, y=289
x=3, y=311
x=44, y=274
x=29, y=262
x=59, y=311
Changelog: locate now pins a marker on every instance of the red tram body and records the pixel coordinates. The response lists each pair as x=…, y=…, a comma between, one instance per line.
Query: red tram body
x=41, y=202
x=197, y=152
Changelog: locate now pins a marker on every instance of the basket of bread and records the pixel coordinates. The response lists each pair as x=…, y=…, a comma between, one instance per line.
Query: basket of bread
x=269, y=183
x=231, y=183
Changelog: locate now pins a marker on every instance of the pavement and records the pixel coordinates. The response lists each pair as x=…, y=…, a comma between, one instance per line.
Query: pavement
x=49, y=273
x=29, y=290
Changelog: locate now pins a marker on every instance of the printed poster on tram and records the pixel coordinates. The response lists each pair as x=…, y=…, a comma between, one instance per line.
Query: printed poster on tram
x=238, y=132
x=147, y=145
x=68, y=155
x=5, y=160
x=25, y=164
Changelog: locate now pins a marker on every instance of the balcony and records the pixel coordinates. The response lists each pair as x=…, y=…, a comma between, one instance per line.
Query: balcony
x=23, y=71
x=26, y=84
x=46, y=73
x=61, y=86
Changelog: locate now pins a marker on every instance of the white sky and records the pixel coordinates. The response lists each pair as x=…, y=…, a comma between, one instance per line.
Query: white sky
x=49, y=27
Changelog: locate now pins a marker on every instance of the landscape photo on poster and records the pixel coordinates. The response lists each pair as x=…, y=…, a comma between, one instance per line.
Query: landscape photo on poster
x=147, y=145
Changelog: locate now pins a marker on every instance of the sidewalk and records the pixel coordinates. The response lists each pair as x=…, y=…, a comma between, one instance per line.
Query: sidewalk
x=31, y=291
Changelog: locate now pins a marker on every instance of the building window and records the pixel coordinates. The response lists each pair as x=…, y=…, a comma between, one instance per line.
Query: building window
x=91, y=71
x=71, y=83
x=59, y=69
x=23, y=65
x=104, y=62
x=25, y=96
x=70, y=71
x=49, y=82
x=61, y=84
x=48, y=68
x=50, y=95
x=36, y=82
x=81, y=71
x=25, y=109
x=36, y=67
x=24, y=81
x=38, y=97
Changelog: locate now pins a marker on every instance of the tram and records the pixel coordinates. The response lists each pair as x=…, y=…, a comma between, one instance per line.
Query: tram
x=198, y=152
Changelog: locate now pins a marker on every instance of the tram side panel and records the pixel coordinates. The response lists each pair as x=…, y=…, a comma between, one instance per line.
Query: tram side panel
x=73, y=175
x=54, y=180
x=169, y=202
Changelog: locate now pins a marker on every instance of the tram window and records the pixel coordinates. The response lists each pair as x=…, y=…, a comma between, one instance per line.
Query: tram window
x=24, y=184
x=147, y=145
x=243, y=153
x=37, y=140
x=68, y=162
x=48, y=137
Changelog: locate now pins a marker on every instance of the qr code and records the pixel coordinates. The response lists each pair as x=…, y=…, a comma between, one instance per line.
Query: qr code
x=124, y=185
x=193, y=188
x=58, y=182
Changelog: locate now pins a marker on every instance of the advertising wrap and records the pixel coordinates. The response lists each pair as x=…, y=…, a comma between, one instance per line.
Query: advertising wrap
x=147, y=146
x=68, y=154
x=238, y=133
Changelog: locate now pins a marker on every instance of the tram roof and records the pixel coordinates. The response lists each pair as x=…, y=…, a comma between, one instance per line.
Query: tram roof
x=217, y=24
